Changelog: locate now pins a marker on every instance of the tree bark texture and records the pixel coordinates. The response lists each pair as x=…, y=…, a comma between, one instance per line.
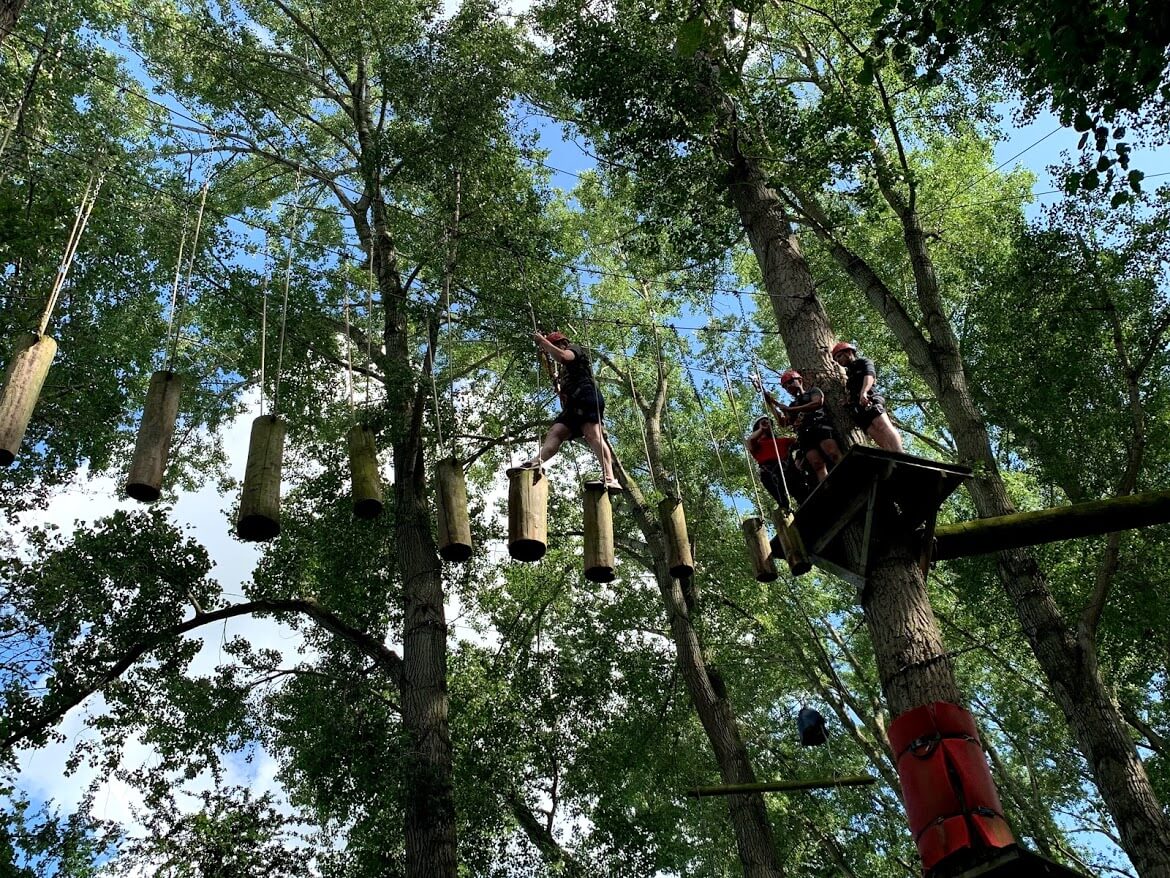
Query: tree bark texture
x=430, y=806
x=9, y=13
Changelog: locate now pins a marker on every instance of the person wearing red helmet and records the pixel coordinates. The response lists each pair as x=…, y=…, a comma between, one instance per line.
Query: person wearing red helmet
x=866, y=406
x=816, y=436
x=773, y=453
x=582, y=405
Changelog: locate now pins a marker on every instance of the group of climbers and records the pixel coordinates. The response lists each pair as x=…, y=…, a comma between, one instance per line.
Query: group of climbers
x=792, y=445
x=787, y=460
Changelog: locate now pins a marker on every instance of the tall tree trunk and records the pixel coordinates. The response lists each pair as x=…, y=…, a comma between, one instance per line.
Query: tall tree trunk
x=907, y=642
x=9, y=13
x=748, y=812
x=430, y=808
x=1067, y=656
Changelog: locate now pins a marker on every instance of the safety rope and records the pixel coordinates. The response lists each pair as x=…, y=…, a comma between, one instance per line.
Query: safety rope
x=450, y=245
x=751, y=470
x=292, y=239
x=641, y=412
x=759, y=381
x=175, y=284
x=348, y=341
x=667, y=421
x=703, y=415
x=175, y=326
x=80, y=221
x=370, y=319
x=264, y=326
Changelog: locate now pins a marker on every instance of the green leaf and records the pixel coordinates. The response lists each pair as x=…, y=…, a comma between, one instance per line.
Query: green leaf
x=1091, y=180
x=1118, y=199
x=690, y=37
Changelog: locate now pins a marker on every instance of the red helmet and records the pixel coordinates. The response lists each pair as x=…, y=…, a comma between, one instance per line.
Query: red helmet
x=788, y=375
x=842, y=346
x=554, y=337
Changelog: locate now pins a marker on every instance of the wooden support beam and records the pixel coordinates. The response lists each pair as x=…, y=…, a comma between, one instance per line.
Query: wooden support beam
x=983, y=535
x=782, y=786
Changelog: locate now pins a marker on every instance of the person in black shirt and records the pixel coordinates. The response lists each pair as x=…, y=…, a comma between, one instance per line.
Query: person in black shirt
x=866, y=406
x=816, y=436
x=582, y=405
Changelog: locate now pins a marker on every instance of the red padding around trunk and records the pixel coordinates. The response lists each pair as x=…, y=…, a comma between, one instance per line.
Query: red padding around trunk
x=951, y=800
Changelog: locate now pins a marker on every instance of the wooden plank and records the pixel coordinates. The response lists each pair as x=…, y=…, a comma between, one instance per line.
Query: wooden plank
x=782, y=786
x=837, y=570
x=983, y=535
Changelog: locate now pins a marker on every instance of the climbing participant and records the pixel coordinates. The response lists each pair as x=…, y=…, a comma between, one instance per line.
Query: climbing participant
x=582, y=405
x=773, y=456
x=866, y=406
x=816, y=437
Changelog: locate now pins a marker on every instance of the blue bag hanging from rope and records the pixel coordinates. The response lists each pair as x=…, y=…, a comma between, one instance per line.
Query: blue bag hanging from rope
x=811, y=726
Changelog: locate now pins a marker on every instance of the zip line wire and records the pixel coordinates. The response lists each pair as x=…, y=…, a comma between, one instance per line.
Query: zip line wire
x=205, y=131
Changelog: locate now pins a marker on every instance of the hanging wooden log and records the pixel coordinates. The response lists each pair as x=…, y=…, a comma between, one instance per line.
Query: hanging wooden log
x=791, y=545
x=260, y=501
x=365, y=479
x=153, y=445
x=31, y=357
x=527, y=514
x=678, y=543
x=756, y=538
x=599, y=553
x=454, y=523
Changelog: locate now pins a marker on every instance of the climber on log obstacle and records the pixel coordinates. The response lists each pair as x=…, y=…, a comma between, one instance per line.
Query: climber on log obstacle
x=583, y=406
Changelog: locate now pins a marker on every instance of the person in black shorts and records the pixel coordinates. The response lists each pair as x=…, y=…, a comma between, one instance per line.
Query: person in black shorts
x=866, y=406
x=815, y=435
x=773, y=454
x=582, y=405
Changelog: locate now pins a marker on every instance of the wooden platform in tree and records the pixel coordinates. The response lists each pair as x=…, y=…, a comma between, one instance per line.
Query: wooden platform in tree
x=1017, y=862
x=894, y=495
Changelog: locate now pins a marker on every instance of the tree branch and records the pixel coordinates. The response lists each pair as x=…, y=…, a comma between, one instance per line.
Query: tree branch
x=67, y=700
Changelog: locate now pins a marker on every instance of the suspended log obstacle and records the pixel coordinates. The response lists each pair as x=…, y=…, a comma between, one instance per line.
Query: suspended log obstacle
x=31, y=357
x=781, y=786
x=790, y=543
x=755, y=537
x=527, y=514
x=454, y=522
x=260, y=501
x=365, y=479
x=155, y=431
x=982, y=535
x=599, y=552
x=678, y=541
